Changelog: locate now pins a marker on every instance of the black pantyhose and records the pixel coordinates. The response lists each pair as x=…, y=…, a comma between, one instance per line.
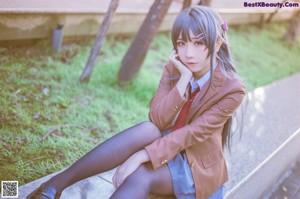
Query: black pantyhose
x=109, y=155
x=143, y=181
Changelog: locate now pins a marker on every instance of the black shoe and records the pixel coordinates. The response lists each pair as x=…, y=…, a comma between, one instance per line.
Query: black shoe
x=39, y=193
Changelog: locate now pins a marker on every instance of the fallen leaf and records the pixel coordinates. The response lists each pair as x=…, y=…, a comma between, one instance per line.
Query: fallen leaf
x=46, y=91
x=36, y=116
x=284, y=188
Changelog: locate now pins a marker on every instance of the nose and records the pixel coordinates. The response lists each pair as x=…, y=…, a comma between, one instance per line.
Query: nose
x=189, y=51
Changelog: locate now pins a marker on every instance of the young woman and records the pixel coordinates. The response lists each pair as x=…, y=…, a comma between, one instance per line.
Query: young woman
x=179, y=151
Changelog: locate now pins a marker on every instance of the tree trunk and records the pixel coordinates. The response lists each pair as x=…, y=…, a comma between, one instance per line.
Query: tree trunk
x=274, y=13
x=186, y=4
x=85, y=76
x=136, y=53
x=205, y=2
x=293, y=31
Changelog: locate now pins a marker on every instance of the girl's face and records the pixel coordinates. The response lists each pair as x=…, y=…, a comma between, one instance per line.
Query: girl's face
x=193, y=54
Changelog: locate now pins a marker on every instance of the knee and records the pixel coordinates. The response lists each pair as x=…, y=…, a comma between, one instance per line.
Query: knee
x=151, y=127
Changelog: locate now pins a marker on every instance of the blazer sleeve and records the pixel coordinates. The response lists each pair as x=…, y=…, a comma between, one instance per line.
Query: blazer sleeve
x=200, y=129
x=166, y=102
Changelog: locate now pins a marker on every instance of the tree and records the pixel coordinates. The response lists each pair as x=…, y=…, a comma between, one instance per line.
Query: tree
x=136, y=53
x=85, y=76
x=205, y=2
x=293, y=30
x=274, y=13
x=186, y=4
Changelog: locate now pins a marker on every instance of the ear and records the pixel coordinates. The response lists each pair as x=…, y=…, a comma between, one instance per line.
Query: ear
x=219, y=43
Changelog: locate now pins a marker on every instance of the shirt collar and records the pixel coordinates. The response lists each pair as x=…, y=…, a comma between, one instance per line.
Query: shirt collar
x=202, y=81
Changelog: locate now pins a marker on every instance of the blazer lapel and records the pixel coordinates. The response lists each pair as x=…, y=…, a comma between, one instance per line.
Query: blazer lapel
x=200, y=100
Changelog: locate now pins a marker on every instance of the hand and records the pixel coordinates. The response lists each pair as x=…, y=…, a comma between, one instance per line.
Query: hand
x=184, y=71
x=129, y=166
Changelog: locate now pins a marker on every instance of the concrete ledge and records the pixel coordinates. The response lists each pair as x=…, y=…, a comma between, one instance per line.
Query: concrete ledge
x=95, y=187
x=260, y=180
x=98, y=186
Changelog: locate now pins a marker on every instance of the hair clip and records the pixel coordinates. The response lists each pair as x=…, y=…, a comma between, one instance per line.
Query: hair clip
x=224, y=26
x=200, y=36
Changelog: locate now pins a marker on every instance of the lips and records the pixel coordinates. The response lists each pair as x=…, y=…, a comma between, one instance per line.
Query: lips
x=191, y=63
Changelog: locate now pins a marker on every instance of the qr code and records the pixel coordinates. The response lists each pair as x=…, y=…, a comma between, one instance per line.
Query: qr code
x=9, y=189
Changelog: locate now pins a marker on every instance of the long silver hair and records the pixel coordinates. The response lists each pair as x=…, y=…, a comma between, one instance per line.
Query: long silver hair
x=203, y=20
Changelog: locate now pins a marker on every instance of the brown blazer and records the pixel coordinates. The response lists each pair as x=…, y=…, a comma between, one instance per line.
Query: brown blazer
x=201, y=137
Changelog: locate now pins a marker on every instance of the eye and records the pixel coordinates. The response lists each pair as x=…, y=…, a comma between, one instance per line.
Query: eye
x=180, y=43
x=198, y=43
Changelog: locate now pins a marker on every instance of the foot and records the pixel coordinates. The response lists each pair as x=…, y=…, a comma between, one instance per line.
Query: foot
x=44, y=193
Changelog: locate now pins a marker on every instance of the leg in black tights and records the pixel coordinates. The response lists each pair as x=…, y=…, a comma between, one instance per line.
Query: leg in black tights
x=106, y=156
x=145, y=180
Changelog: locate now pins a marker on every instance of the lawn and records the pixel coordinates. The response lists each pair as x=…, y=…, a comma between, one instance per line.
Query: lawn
x=48, y=119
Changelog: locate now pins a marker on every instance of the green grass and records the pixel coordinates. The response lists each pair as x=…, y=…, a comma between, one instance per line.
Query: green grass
x=262, y=56
x=40, y=90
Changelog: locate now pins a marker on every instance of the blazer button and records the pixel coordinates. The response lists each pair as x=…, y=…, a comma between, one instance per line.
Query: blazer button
x=163, y=162
x=175, y=108
x=192, y=165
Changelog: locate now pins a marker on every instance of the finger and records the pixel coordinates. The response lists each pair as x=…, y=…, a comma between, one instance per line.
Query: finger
x=176, y=56
x=172, y=54
x=118, y=183
x=115, y=178
x=173, y=57
x=119, y=178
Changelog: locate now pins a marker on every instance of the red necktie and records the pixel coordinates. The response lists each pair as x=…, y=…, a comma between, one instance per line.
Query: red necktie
x=185, y=110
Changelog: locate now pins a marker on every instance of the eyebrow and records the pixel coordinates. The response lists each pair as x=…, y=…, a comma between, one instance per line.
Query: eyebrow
x=193, y=38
